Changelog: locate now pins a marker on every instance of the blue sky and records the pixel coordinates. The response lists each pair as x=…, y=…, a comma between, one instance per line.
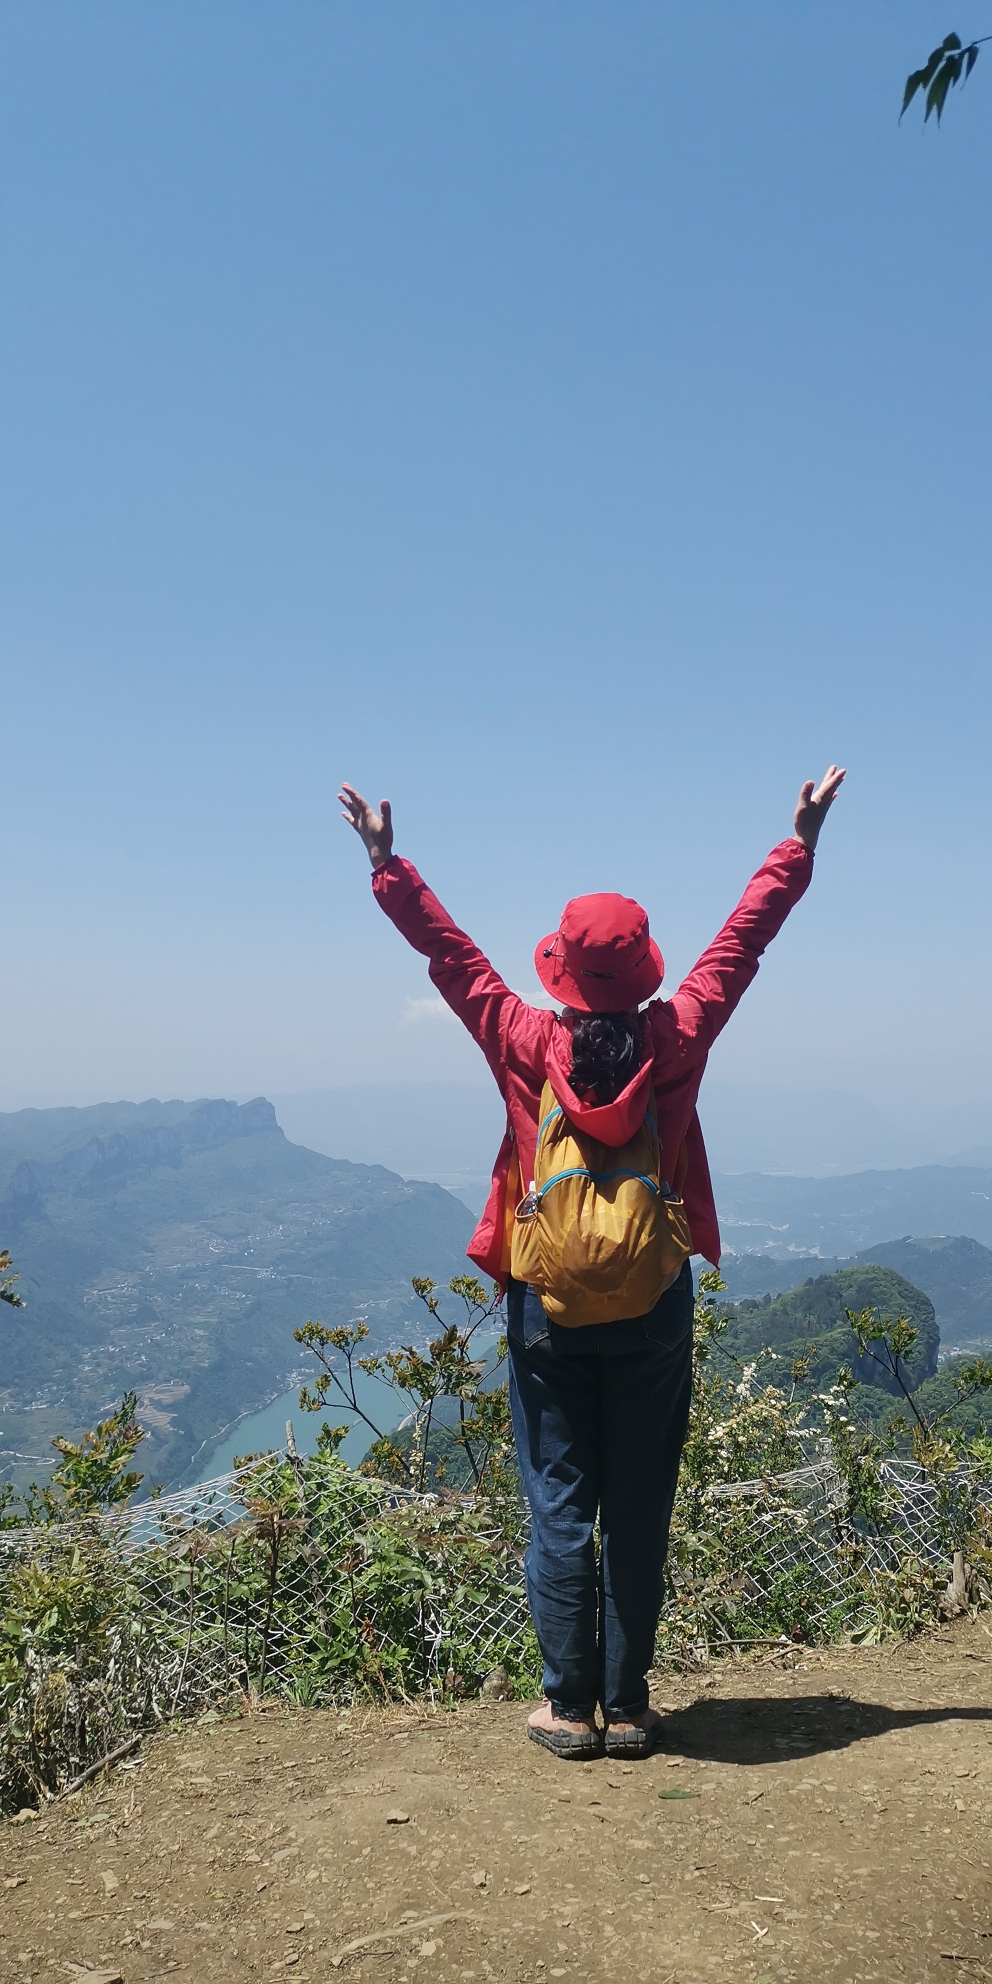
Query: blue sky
x=570, y=419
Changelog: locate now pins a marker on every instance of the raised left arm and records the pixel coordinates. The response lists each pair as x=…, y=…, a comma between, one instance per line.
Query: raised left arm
x=714, y=987
x=466, y=980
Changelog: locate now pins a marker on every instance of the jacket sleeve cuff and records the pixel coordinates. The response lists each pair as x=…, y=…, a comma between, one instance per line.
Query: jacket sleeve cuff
x=393, y=881
x=796, y=853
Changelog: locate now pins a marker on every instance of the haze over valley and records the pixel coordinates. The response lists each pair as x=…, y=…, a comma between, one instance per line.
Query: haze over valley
x=173, y=1247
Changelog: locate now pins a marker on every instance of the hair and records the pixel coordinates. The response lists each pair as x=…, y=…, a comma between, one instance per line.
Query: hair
x=606, y=1051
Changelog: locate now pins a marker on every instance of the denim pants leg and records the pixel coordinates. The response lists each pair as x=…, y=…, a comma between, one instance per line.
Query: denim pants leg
x=599, y=1419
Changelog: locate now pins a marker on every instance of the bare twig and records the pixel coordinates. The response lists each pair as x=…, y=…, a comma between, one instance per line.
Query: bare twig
x=102, y=1763
x=400, y=1929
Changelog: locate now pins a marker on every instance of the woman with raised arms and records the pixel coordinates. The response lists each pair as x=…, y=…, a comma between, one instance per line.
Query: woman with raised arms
x=600, y=1193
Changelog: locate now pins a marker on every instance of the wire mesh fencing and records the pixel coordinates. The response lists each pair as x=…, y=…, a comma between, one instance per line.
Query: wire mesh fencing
x=302, y=1578
x=306, y=1579
x=816, y=1554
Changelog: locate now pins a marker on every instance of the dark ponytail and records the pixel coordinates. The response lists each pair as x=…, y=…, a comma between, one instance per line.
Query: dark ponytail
x=606, y=1052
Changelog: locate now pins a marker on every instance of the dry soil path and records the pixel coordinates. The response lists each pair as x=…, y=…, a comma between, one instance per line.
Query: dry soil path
x=827, y=1819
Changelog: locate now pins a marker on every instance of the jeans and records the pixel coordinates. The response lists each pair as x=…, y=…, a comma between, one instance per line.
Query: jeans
x=599, y=1419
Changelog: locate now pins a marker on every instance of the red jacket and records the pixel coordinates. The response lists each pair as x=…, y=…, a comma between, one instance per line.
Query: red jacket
x=526, y=1046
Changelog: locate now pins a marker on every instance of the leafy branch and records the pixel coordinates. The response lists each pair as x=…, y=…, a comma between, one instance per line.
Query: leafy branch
x=7, y=1280
x=944, y=68
x=93, y=1473
x=895, y=1340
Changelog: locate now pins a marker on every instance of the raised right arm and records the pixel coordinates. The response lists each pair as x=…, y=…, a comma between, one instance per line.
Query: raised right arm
x=707, y=997
x=466, y=980
x=464, y=977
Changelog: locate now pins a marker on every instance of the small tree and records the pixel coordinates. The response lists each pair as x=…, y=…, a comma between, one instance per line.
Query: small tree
x=955, y=1462
x=888, y=1344
x=448, y=1367
x=91, y=1477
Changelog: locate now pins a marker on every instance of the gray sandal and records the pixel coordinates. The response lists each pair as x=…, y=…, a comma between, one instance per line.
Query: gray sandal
x=634, y=1742
x=574, y=1745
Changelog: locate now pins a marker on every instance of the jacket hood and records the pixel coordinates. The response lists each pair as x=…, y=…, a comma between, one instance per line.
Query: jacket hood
x=612, y=1123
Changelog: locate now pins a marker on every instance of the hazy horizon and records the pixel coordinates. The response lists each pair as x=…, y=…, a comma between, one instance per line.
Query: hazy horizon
x=450, y=1131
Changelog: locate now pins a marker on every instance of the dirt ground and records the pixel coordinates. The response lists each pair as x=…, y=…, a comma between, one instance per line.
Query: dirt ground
x=811, y=1817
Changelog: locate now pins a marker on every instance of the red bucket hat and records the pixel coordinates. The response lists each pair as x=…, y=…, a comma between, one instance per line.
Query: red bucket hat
x=602, y=957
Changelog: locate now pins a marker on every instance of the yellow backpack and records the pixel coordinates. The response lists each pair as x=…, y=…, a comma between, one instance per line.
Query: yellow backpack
x=599, y=1234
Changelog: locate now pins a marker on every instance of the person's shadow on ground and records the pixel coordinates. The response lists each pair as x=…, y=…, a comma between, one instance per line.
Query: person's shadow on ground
x=762, y=1730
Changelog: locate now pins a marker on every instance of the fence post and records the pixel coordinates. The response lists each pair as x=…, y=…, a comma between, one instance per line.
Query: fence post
x=310, y=1549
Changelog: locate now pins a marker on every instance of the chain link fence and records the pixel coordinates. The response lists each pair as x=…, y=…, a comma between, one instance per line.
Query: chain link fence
x=814, y=1555
x=306, y=1579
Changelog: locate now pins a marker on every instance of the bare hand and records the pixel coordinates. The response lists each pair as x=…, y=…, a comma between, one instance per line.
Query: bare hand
x=813, y=807
x=375, y=829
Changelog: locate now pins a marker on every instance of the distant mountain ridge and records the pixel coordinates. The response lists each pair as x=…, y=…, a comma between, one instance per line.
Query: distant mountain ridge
x=838, y=1217
x=48, y=1134
x=954, y=1272
x=121, y=1152
x=174, y=1247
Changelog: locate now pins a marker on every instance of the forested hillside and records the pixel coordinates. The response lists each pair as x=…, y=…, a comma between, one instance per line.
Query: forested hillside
x=174, y=1247
x=956, y=1273
x=816, y=1314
